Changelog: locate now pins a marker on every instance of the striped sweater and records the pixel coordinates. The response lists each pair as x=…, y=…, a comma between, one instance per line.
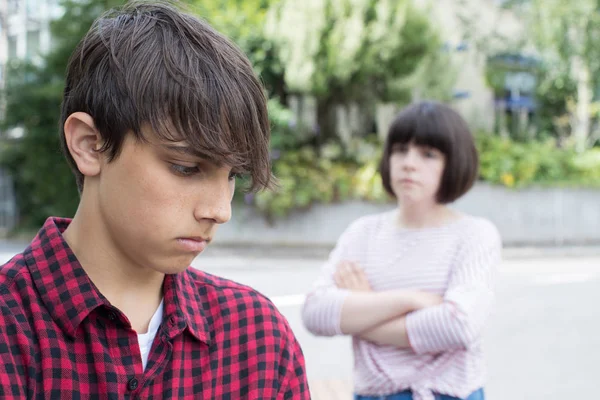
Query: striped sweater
x=457, y=261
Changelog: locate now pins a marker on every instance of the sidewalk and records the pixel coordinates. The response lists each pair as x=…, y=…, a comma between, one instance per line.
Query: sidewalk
x=321, y=252
x=333, y=389
x=256, y=252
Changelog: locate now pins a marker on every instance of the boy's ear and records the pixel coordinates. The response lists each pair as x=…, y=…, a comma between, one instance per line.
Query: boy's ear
x=83, y=142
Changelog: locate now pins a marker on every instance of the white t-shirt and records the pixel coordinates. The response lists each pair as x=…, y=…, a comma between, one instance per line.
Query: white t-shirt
x=146, y=339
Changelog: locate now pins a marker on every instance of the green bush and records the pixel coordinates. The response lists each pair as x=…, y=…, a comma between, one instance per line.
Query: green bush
x=521, y=164
x=338, y=174
x=333, y=174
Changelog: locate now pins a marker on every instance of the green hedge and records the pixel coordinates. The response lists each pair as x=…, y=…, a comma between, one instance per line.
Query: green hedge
x=338, y=174
x=330, y=175
x=521, y=164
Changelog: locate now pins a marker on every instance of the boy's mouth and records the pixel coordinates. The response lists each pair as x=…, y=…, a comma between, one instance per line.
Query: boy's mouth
x=194, y=244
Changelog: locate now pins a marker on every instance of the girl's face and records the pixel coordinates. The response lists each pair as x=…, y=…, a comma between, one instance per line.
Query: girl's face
x=416, y=172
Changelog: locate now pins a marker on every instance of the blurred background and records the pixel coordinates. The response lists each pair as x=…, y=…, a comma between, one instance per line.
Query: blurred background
x=525, y=74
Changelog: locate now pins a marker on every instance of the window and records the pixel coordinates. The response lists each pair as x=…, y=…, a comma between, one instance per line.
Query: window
x=12, y=47
x=33, y=44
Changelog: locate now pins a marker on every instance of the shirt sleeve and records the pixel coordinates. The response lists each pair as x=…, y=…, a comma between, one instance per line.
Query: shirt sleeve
x=294, y=383
x=322, y=308
x=458, y=322
x=12, y=384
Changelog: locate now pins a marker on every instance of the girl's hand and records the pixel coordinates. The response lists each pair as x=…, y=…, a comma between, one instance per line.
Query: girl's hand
x=349, y=275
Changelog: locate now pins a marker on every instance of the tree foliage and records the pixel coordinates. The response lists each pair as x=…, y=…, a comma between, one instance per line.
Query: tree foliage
x=566, y=35
x=341, y=52
x=44, y=183
x=350, y=51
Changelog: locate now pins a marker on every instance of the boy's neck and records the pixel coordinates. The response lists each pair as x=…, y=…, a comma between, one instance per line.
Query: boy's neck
x=133, y=289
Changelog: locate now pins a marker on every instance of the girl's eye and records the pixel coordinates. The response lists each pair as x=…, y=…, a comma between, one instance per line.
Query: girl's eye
x=430, y=153
x=183, y=170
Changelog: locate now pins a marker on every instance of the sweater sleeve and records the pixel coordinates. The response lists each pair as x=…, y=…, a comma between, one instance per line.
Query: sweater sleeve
x=457, y=323
x=322, y=308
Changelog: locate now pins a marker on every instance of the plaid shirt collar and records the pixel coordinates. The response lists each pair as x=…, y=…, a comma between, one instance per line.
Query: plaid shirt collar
x=70, y=296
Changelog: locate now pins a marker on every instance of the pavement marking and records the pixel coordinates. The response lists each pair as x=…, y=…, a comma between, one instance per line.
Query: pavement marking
x=291, y=300
x=559, y=279
x=295, y=300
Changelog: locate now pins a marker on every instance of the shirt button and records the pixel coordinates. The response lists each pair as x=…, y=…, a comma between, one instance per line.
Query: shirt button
x=112, y=316
x=132, y=384
x=172, y=321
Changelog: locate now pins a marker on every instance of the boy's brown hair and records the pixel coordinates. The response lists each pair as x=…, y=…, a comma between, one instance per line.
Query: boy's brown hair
x=150, y=64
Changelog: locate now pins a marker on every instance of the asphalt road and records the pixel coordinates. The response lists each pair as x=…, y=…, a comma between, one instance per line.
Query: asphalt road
x=543, y=340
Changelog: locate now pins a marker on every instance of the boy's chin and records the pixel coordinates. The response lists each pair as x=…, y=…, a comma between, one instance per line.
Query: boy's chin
x=175, y=267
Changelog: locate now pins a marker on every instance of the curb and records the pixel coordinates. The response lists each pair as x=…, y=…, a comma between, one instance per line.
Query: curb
x=322, y=251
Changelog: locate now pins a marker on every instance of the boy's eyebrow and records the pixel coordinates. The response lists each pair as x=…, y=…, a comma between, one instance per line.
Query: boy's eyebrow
x=190, y=151
x=185, y=150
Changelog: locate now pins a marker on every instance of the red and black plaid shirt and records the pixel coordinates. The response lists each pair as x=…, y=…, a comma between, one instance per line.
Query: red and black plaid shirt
x=61, y=339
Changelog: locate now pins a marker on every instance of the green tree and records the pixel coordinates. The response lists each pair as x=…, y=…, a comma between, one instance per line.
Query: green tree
x=44, y=183
x=243, y=22
x=566, y=35
x=350, y=51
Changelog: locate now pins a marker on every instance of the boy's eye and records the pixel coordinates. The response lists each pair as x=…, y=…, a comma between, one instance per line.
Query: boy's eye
x=183, y=170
